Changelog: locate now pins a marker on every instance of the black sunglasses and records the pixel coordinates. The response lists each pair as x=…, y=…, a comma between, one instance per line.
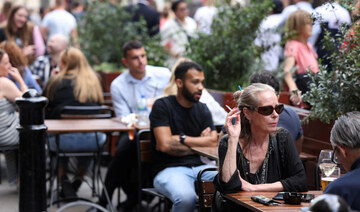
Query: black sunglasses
x=268, y=110
x=333, y=157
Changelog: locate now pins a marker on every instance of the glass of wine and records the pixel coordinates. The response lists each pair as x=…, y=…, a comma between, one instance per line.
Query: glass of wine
x=326, y=166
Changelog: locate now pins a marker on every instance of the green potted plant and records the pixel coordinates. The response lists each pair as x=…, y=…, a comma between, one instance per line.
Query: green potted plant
x=103, y=31
x=338, y=91
x=228, y=55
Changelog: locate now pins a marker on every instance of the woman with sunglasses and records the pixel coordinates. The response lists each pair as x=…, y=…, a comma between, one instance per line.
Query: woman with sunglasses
x=256, y=155
x=9, y=136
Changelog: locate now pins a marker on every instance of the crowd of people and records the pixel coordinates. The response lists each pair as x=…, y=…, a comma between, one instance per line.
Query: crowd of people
x=259, y=151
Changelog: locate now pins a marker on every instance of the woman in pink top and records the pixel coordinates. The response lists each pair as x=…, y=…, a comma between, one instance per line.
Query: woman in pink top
x=24, y=33
x=299, y=54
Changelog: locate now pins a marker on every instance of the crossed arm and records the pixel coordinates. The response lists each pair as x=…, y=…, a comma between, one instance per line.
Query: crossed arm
x=170, y=144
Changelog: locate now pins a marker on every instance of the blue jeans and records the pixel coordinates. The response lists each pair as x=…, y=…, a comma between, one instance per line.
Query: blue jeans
x=178, y=184
x=78, y=142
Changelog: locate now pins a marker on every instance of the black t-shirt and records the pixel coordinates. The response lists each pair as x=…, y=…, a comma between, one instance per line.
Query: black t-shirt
x=190, y=121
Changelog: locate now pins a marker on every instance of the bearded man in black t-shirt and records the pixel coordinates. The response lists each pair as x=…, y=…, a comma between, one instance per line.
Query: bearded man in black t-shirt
x=178, y=123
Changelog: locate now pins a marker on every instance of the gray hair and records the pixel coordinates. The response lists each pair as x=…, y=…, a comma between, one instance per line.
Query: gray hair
x=346, y=131
x=61, y=40
x=249, y=98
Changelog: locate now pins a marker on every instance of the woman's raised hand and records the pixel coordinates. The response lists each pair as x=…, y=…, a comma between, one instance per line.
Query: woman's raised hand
x=29, y=50
x=15, y=74
x=233, y=130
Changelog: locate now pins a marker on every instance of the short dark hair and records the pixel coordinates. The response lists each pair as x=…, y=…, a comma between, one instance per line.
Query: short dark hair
x=175, y=4
x=278, y=6
x=133, y=44
x=265, y=78
x=183, y=68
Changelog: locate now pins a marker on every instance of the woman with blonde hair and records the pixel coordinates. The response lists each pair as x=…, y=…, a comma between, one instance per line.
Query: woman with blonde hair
x=299, y=54
x=9, y=136
x=75, y=85
x=256, y=155
x=217, y=112
x=24, y=33
x=78, y=78
x=19, y=61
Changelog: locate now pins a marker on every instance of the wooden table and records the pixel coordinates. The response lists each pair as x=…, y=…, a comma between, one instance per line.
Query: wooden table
x=59, y=126
x=243, y=198
x=210, y=152
x=85, y=125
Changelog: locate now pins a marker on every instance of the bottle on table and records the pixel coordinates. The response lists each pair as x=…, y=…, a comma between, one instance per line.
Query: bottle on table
x=143, y=114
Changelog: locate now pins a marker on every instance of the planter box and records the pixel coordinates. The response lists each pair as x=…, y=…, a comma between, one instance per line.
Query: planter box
x=223, y=98
x=316, y=136
x=106, y=79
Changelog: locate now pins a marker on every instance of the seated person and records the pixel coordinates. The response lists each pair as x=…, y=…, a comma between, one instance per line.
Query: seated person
x=19, y=61
x=9, y=120
x=139, y=80
x=345, y=139
x=288, y=119
x=75, y=85
x=263, y=161
x=178, y=123
x=217, y=112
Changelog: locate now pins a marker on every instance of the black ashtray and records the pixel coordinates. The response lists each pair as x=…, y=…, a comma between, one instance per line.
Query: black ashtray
x=292, y=198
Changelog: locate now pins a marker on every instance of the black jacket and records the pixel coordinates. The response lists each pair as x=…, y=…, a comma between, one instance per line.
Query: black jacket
x=151, y=16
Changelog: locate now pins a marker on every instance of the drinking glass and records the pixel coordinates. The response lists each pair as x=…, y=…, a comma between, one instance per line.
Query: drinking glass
x=326, y=179
x=325, y=163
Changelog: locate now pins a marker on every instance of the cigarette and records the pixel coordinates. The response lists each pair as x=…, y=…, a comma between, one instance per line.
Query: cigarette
x=227, y=106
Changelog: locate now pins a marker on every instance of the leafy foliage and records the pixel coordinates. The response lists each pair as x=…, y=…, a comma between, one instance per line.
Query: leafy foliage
x=338, y=91
x=228, y=55
x=106, y=28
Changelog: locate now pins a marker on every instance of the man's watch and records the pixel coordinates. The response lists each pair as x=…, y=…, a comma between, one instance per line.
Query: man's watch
x=182, y=137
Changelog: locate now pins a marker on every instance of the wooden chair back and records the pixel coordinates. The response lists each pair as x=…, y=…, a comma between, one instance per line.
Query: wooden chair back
x=205, y=190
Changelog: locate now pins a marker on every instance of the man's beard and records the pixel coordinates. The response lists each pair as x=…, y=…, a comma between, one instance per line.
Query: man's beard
x=189, y=96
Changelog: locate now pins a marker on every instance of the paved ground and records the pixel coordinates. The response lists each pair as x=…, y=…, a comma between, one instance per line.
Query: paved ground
x=9, y=194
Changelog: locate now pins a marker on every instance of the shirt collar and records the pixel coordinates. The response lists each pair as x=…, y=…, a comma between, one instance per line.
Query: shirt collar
x=356, y=164
x=131, y=79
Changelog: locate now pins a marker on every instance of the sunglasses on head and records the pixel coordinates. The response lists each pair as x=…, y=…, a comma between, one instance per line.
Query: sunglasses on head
x=268, y=110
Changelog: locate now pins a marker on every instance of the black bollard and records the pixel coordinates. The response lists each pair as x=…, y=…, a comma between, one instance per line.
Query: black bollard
x=32, y=159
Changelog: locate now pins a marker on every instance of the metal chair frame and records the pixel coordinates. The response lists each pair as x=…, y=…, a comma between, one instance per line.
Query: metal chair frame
x=143, y=137
x=81, y=112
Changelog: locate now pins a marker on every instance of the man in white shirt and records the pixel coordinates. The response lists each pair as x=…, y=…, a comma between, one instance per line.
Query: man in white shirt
x=59, y=21
x=269, y=38
x=141, y=79
x=176, y=33
x=205, y=15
